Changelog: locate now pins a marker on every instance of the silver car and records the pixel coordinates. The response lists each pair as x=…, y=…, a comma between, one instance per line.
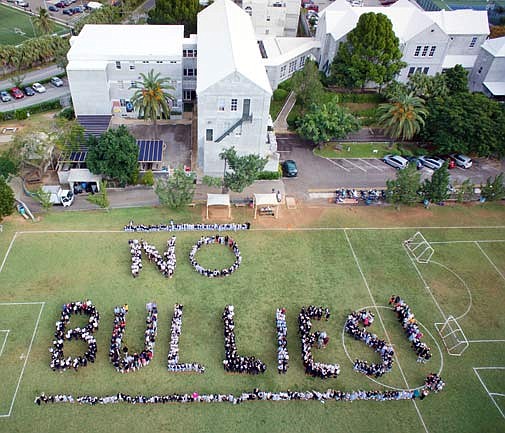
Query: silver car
x=4, y=96
x=396, y=161
x=433, y=162
x=462, y=161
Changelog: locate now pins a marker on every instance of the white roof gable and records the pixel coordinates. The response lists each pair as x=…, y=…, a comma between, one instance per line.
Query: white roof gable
x=496, y=47
x=227, y=44
x=461, y=21
x=279, y=50
x=127, y=42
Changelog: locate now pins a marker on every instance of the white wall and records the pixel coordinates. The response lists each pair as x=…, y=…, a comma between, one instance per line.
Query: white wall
x=90, y=90
x=487, y=68
x=267, y=19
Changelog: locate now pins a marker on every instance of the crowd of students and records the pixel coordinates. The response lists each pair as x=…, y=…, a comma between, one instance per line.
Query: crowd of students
x=308, y=339
x=282, y=341
x=234, y=363
x=255, y=395
x=380, y=346
x=409, y=323
x=173, y=353
x=121, y=359
x=172, y=227
x=58, y=360
x=222, y=240
x=434, y=383
x=136, y=253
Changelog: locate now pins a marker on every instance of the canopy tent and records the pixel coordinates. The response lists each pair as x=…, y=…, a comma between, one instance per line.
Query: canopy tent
x=218, y=200
x=266, y=201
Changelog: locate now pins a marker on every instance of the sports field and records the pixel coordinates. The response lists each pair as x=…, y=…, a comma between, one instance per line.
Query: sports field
x=341, y=259
x=16, y=26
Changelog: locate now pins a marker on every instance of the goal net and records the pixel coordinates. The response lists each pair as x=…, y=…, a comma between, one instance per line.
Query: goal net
x=453, y=336
x=419, y=247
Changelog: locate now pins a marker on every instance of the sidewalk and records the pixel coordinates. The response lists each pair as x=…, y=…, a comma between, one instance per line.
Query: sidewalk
x=281, y=123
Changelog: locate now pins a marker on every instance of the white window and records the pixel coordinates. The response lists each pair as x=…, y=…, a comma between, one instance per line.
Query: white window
x=432, y=50
x=473, y=42
x=302, y=61
x=283, y=71
x=234, y=105
x=292, y=66
x=418, y=50
x=248, y=10
x=425, y=50
x=220, y=105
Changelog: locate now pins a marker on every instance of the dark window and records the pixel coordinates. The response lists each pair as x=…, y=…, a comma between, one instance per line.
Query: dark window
x=209, y=135
x=118, y=65
x=425, y=71
x=411, y=71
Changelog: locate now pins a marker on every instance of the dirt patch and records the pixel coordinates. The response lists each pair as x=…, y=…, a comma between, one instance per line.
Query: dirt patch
x=358, y=106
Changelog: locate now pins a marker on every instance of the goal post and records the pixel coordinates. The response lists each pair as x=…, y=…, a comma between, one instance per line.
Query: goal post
x=419, y=247
x=452, y=335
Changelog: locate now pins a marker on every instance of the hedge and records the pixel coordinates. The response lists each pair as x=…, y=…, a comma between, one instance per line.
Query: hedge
x=269, y=175
x=22, y=113
x=280, y=94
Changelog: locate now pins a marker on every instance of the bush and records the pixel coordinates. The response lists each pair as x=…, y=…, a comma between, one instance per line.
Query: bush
x=280, y=94
x=269, y=175
x=286, y=85
x=20, y=114
x=33, y=109
x=148, y=178
x=8, y=166
x=67, y=113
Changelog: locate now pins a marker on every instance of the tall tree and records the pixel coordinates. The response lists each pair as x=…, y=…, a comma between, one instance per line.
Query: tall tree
x=370, y=54
x=405, y=188
x=240, y=171
x=114, y=154
x=176, y=190
x=181, y=12
x=436, y=189
x=456, y=79
x=494, y=189
x=326, y=122
x=43, y=22
x=403, y=116
x=6, y=199
x=428, y=86
x=307, y=85
x=466, y=123
x=152, y=97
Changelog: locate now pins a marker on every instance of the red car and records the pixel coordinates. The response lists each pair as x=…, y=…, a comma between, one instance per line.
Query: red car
x=17, y=93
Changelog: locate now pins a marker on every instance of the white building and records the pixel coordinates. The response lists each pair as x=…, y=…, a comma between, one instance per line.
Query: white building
x=233, y=89
x=430, y=41
x=488, y=75
x=273, y=17
x=104, y=62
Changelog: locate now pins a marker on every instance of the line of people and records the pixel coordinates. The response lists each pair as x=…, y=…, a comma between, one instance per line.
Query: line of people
x=136, y=253
x=234, y=363
x=282, y=341
x=385, y=350
x=62, y=334
x=217, y=239
x=409, y=323
x=121, y=359
x=255, y=395
x=173, y=227
x=308, y=339
x=173, y=353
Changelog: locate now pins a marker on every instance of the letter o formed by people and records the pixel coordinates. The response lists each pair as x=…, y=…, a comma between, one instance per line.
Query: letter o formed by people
x=209, y=240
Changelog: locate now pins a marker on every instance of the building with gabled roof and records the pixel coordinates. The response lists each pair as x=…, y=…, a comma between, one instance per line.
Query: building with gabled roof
x=488, y=75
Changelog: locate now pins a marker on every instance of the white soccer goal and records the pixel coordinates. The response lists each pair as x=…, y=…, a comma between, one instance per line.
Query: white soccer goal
x=453, y=336
x=420, y=248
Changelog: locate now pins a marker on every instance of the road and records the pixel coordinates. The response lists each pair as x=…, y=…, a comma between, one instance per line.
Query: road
x=34, y=76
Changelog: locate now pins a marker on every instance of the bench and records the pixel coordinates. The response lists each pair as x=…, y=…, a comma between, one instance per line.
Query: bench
x=348, y=201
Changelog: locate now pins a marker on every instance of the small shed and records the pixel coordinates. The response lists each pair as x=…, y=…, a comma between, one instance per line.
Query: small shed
x=218, y=200
x=267, y=205
x=83, y=175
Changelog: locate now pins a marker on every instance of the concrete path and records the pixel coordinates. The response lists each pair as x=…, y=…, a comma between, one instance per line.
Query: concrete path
x=281, y=123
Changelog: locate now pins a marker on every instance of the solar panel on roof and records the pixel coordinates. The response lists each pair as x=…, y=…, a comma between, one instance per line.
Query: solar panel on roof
x=150, y=150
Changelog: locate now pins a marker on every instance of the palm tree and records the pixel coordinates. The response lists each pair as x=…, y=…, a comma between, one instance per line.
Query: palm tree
x=152, y=97
x=43, y=22
x=403, y=116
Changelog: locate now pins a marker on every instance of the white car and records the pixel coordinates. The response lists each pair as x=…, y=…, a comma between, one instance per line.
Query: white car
x=462, y=160
x=39, y=88
x=396, y=161
x=56, y=81
x=433, y=162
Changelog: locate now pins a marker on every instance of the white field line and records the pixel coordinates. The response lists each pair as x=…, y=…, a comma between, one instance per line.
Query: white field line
x=8, y=251
x=467, y=242
x=426, y=286
x=485, y=387
x=486, y=341
x=42, y=304
x=355, y=165
x=383, y=326
x=499, y=394
x=490, y=261
x=338, y=165
x=5, y=340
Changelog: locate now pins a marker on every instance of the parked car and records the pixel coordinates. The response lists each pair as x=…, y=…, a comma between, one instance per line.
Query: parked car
x=414, y=160
x=462, y=161
x=56, y=81
x=29, y=91
x=22, y=3
x=39, y=88
x=396, y=161
x=4, y=96
x=52, y=8
x=60, y=5
x=78, y=9
x=17, y=93
x=67, y=12
x=289, y=168
x=433, y=162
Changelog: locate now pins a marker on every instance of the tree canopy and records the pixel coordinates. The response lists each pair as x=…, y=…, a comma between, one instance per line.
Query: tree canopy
x=436, y=189
x=456, y=79
x=6, y=199
x=182, y=12
x=241, y=171
x=307, y=84
x=326, y=122
x=405, y=188
x=114, y=154
x=176, y=190
x=370, y=54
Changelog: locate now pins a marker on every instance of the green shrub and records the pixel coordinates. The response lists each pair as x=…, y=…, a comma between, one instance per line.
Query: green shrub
x=269, y=175
x=20, y=114
x=148, y=178
x=280, y=94
x=135, y=177
x=33, y=109
x=67, y=113
x=286, y=85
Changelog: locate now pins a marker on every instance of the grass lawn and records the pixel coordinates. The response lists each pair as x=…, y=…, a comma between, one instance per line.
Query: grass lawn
x=16, y=26
x=362, y=149
x=340, y=269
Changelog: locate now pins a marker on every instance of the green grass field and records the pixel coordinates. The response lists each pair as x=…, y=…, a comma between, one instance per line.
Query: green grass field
x=341, y=269
x=16, y=26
